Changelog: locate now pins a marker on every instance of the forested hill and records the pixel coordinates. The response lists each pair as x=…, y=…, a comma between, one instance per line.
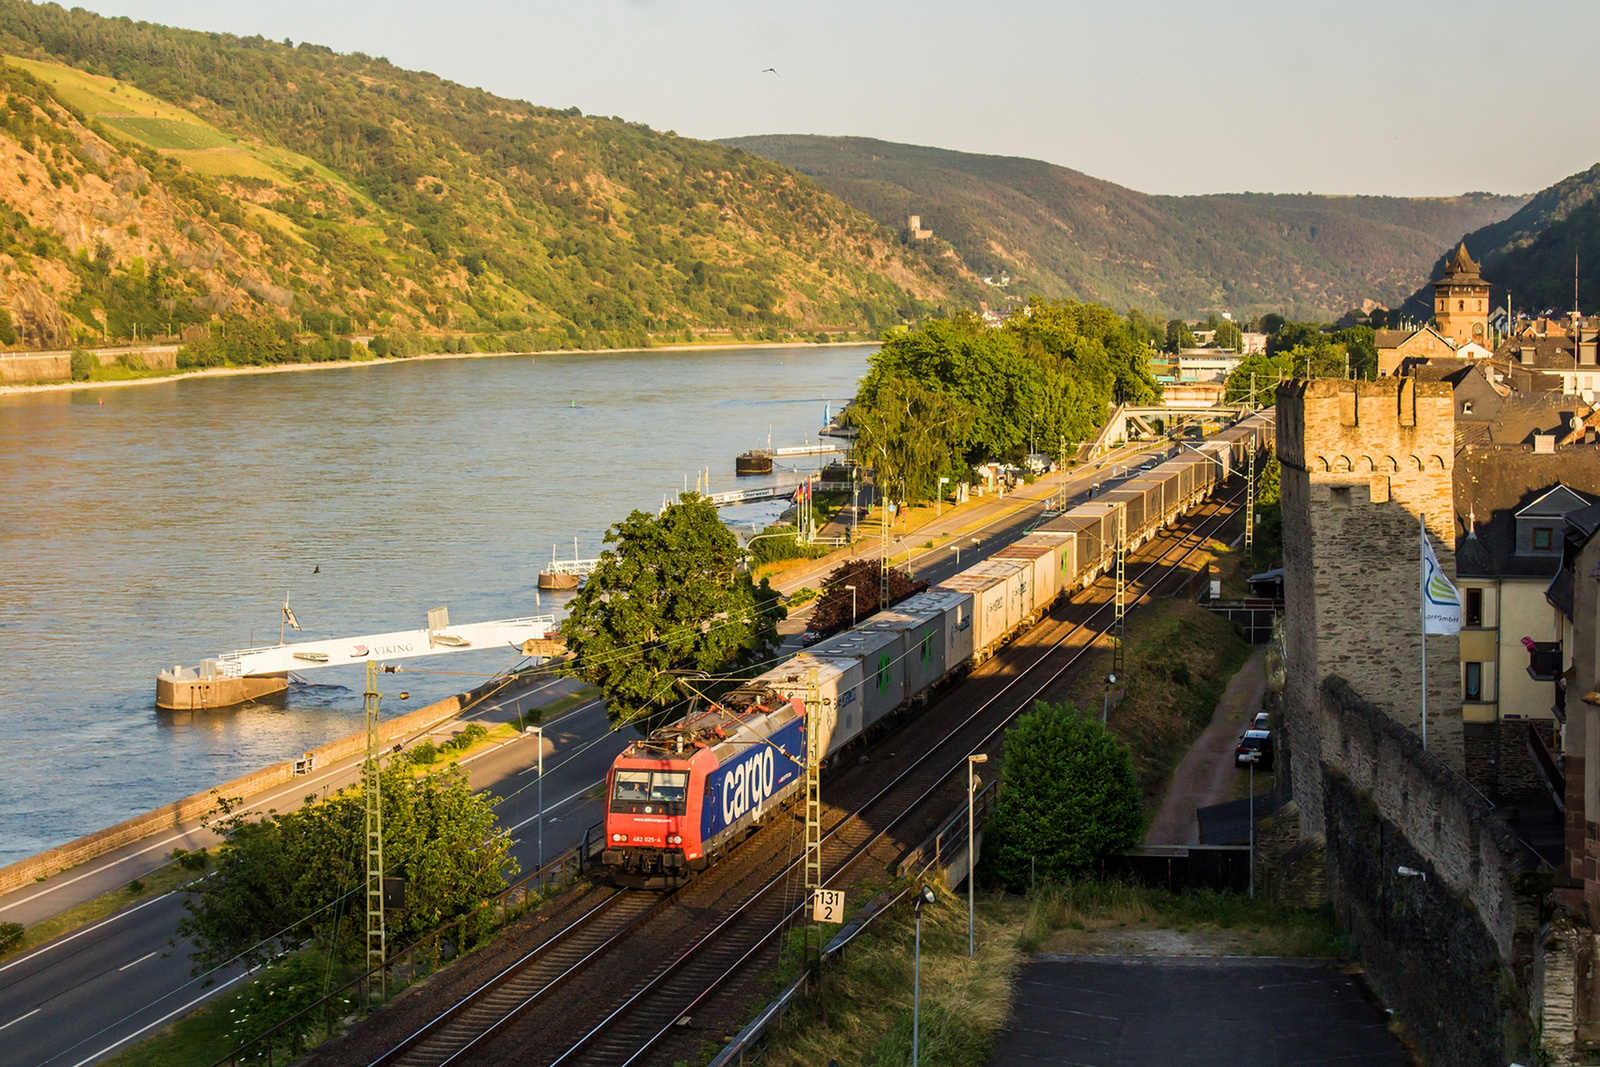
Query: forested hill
x=160, y=177
x=1531, y=252
x=1058, y=232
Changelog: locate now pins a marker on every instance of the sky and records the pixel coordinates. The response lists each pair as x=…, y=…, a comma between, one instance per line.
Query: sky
x=1404, y=97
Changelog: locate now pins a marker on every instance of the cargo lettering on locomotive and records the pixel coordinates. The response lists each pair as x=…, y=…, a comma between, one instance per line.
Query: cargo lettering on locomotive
x=749, y=779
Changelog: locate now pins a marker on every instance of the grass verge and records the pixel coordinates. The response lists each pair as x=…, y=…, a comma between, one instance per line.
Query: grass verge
x=1179, y=660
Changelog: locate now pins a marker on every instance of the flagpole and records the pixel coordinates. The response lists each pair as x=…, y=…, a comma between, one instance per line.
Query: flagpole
x=1422, y=563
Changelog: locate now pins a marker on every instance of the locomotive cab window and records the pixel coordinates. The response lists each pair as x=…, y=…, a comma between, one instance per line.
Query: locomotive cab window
x=632, y=785
x=650, y=792
x=669, y=787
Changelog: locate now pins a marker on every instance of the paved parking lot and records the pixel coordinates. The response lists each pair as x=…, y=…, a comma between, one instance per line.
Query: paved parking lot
x=1238, y=1011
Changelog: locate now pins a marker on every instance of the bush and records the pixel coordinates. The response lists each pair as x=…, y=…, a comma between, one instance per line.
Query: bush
x=136, y=887
x=423, y=753
x=470, y=735
x=191, y=861
x=82, y=365
x=804, y=595
x=10, y=936
x=1067, y=797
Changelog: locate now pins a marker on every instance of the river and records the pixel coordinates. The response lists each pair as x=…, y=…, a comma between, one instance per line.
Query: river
x=147, y=526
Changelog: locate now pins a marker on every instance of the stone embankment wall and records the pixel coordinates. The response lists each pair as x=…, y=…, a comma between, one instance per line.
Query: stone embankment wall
x=22, y=368
x=172, y=816
x=1445, y=950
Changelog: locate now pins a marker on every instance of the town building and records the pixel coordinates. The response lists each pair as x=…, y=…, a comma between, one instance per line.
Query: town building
x=1575, y=594
x=1460, y=319
x=1206, y=364
x=1461, y=301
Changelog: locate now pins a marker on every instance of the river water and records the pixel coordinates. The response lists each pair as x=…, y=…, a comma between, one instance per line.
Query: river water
x=152, y=525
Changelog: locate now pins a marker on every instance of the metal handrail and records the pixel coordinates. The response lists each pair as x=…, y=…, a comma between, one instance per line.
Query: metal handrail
x=567, y=867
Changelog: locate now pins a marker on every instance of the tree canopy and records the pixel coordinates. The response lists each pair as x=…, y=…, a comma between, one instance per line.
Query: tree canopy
x=670, y=596
x=285, y=880
x=1068, y=795
x=955, y=391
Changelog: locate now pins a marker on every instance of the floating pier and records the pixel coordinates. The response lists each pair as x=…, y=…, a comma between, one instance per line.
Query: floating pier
x=249, y=673
x=566, y=573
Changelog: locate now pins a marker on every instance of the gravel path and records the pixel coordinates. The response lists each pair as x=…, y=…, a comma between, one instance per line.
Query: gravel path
x=1207, y=772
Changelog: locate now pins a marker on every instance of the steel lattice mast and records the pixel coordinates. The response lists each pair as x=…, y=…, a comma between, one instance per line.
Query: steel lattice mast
x=1118, y=655
x=813, y=863
x=371, y=788
x=1250, y=502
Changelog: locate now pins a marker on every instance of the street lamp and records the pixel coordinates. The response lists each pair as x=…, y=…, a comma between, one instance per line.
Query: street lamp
x=972, y=861
x=852, y=604
x=1105, y=706
x=538, y=739
x=924, y=896
x=939, y=505
x=1411, y=872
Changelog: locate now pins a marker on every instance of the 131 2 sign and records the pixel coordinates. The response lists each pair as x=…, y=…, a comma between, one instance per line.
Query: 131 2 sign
x=828, y=906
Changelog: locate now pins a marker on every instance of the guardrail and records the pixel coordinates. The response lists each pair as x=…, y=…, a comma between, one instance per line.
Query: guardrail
x=317, y=1021
x=950, y=837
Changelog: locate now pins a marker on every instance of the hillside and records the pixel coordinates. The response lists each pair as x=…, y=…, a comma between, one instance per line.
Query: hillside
x=164, y=176
x=1531, y=252
x=1059, y=232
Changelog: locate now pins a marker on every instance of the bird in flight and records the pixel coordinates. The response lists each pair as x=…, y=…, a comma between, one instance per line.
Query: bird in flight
x=773, y=71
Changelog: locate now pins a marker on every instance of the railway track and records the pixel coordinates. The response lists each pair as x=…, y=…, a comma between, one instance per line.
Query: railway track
x=732, y=935
x=650, y=1014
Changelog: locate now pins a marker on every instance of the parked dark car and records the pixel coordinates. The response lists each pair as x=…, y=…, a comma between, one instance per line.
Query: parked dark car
x=1254, y=747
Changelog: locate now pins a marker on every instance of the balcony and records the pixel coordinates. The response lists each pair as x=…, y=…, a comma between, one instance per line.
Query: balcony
x=1544, y=660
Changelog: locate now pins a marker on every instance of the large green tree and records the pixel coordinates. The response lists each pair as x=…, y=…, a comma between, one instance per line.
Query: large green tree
x=1068, y=795
x=669, y=596
x=911, y=436
x=285, y=880
x=1047, y=373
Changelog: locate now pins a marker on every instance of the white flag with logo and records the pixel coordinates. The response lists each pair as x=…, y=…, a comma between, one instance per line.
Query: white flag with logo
x=1441, y=604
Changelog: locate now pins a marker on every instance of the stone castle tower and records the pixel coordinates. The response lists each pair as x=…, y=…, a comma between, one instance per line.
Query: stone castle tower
x=1361, y=460
x=1461, y=301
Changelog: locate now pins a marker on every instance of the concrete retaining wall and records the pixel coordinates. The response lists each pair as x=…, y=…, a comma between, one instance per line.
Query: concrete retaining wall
x=171, y=816
x=16, y=370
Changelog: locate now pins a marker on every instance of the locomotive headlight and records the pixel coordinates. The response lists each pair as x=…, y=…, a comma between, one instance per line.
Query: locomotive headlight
x=675, y=840
x=619, y=837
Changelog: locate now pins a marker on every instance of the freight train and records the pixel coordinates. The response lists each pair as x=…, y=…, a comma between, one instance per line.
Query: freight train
x=680, y=798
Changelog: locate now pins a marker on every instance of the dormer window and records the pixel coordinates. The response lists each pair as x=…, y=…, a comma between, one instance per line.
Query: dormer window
x=1466, y=407
x=1543, y=538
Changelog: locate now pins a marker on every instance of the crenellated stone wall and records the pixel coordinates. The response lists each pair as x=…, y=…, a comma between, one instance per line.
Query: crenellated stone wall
x=1361, y=462
x=1449, y=948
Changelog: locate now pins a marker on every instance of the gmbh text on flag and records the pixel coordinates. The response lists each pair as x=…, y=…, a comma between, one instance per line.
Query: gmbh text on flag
x=1441, y=604
x=294, y=623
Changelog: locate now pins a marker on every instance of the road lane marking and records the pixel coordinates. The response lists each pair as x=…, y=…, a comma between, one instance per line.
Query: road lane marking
x=548, y=808
x=79, y=933
x=333, y=772
x=138, y=961
x=179, y=1011
x=19, y=1018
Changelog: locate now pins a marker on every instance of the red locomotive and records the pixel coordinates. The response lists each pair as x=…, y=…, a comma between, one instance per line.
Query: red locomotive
x=688, y=792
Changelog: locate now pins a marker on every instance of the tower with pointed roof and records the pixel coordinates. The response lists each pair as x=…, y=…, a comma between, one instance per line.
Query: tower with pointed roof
x=1461, y=301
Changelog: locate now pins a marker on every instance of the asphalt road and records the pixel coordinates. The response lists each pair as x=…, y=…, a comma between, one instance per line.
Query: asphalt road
x=1195, y=1011
x=90, y=994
